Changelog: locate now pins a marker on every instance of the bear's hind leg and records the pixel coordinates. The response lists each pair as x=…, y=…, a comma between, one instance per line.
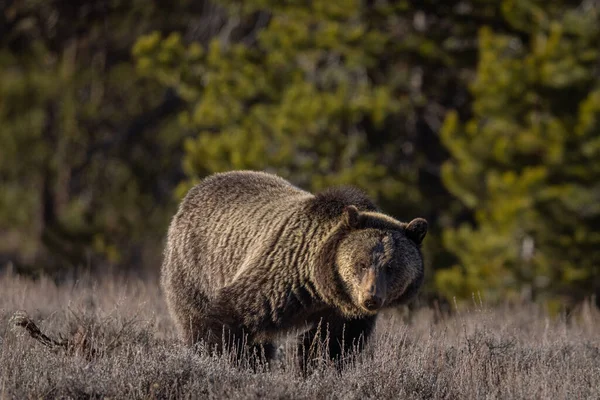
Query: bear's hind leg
x=190, y=327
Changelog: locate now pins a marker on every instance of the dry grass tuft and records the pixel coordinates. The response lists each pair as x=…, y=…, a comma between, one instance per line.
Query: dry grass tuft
x=122, y=344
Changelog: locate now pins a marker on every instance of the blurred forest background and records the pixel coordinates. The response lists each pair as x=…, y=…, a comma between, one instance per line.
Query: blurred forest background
x=481, y=116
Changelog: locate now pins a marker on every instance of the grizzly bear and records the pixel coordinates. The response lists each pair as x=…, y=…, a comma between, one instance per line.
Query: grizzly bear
x=250, y=254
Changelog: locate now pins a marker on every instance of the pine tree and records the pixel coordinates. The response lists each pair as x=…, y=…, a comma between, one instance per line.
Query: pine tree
x=86, y=161
x=528, y=162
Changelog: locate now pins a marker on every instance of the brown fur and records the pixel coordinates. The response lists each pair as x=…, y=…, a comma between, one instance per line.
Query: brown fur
x=252, y=254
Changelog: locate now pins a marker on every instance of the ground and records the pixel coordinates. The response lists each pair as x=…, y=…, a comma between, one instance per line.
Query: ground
x=516, y=352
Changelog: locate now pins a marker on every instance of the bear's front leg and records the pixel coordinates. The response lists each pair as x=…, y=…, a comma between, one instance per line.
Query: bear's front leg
x=334, y=338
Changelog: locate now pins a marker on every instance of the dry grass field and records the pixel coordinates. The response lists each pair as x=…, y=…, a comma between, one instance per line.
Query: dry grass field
x=480, y=353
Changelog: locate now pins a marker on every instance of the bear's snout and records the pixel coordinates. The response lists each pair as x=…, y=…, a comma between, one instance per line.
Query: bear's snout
x=372, y=303
x=373, y=288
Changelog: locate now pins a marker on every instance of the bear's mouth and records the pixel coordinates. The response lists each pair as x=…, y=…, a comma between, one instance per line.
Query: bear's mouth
x=371, y=305
x=368, y=311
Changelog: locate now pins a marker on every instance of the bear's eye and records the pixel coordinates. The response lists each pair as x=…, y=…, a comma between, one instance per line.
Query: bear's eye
x=363, y=266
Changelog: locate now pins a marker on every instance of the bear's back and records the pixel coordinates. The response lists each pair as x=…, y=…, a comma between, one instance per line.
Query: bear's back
x=226, y=219
x=229, y=189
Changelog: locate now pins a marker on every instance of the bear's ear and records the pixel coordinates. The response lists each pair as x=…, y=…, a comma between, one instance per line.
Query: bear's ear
x=416, y=230
x=351, y=216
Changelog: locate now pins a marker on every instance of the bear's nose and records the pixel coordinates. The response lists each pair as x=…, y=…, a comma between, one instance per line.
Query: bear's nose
x=372, y=303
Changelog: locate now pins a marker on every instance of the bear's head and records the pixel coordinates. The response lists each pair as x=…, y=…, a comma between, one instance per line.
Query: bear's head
x=374, y=262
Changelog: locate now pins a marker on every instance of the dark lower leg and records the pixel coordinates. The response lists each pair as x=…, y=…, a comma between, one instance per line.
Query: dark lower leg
x=333, y=340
